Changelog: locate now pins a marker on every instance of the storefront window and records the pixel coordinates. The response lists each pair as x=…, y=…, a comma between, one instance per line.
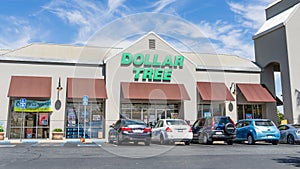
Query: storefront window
x=149, y=113
x=83, y=122
x=207, y=110
x=249, y=111
x=35, y=124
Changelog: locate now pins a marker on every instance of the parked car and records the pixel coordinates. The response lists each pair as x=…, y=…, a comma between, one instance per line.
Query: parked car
x=217, y=128
x=172, y=130
x=253, y=130
x=128, y=130
x=289, y=133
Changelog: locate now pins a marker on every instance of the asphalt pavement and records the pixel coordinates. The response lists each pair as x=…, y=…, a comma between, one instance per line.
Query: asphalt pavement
x=98, y=154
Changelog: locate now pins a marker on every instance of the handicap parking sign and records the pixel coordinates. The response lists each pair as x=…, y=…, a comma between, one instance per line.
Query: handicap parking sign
x=23, y=103
x=85, y=100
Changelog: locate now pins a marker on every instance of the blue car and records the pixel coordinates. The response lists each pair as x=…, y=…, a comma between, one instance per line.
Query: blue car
x=289, y=133
x=253, y=130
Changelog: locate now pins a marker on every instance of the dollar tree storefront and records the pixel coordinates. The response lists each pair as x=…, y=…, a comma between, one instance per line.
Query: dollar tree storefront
x=149, y=80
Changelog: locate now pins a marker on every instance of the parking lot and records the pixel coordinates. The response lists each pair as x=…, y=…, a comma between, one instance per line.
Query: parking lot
x=102, y=155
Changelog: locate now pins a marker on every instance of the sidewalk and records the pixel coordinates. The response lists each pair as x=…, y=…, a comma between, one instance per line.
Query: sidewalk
x=48, y=141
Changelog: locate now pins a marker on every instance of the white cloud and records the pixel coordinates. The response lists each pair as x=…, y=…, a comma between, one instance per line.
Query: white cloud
x=89, y=16
x=235, y=38
x=16, y=32
x=250, y=15
x=161, y=4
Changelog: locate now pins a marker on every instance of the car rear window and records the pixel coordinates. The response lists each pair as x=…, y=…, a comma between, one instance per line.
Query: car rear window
x=133, y=122
x=264, y=123
x=222, y=120
x=175, y=122
x=296, y=126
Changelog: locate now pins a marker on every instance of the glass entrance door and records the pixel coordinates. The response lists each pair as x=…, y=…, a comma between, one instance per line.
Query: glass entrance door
x=161, y=114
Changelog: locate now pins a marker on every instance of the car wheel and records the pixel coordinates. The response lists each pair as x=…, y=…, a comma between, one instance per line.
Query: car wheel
x=205, y=140
x=187, y=142
x=250, y=139
x=199, y=139
x=275, y=142
x=110, y=141
x=290, y=139
x=147, y=143
x=118, y=141
x=229, y=142
x=162, y=140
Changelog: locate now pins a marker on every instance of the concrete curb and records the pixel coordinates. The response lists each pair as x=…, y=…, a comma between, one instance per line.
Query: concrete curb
x=48, y=141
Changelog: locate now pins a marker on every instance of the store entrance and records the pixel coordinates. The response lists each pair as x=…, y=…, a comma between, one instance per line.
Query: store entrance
x=149, y=113
x=84, y=122
x=35, y=125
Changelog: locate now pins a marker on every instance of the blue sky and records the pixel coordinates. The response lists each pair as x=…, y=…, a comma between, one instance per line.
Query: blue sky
x=227, y=24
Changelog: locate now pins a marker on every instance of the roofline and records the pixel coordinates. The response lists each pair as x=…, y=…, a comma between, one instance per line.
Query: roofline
x=282, y=24
x=149, y=33
x=268, y=31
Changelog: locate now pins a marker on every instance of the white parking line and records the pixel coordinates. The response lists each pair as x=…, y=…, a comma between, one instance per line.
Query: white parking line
x=7, y=145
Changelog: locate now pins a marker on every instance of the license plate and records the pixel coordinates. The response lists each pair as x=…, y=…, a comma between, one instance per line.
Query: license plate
x=270, y=136
x=180, y=130
x=219, y=133
x=138, y=131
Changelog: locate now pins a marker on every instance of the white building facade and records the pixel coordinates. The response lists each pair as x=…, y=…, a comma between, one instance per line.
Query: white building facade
x=148, y=81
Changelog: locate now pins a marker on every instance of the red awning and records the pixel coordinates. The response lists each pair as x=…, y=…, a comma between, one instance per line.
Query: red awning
x=256, y=93
x=214, y=91
x=30, y=87
x=93, y=88
x=155, y=91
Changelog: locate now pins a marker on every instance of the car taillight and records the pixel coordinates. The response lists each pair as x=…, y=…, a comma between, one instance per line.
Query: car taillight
x=147, y=130
x=191, y=130
x=126, y=129
x=168, y=129
x=212, y=123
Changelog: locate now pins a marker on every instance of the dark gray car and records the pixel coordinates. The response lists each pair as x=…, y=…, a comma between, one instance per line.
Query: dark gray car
x=128, y=130
x=217, y=128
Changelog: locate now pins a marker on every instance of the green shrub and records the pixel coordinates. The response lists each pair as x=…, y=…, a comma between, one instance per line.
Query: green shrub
x=57, y=130
x=1, y=129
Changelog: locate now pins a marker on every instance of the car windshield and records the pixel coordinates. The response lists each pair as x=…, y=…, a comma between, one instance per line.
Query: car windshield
x=264, y=123
x=133, y=122
x=296, y=126
x=175, y=122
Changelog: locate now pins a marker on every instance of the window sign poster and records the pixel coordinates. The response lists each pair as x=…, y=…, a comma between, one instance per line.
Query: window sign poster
x=71, y=117
x=248, y=116
x=96, y=117
x=43, y=119
x=207, y=114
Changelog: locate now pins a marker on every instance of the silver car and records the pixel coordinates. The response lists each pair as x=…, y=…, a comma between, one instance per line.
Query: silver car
x=171, y=131
x=289, y=133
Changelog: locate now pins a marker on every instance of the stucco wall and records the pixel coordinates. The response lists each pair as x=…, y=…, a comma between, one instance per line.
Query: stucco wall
x=293, y=36
x=57, y=116
x=117, y=73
